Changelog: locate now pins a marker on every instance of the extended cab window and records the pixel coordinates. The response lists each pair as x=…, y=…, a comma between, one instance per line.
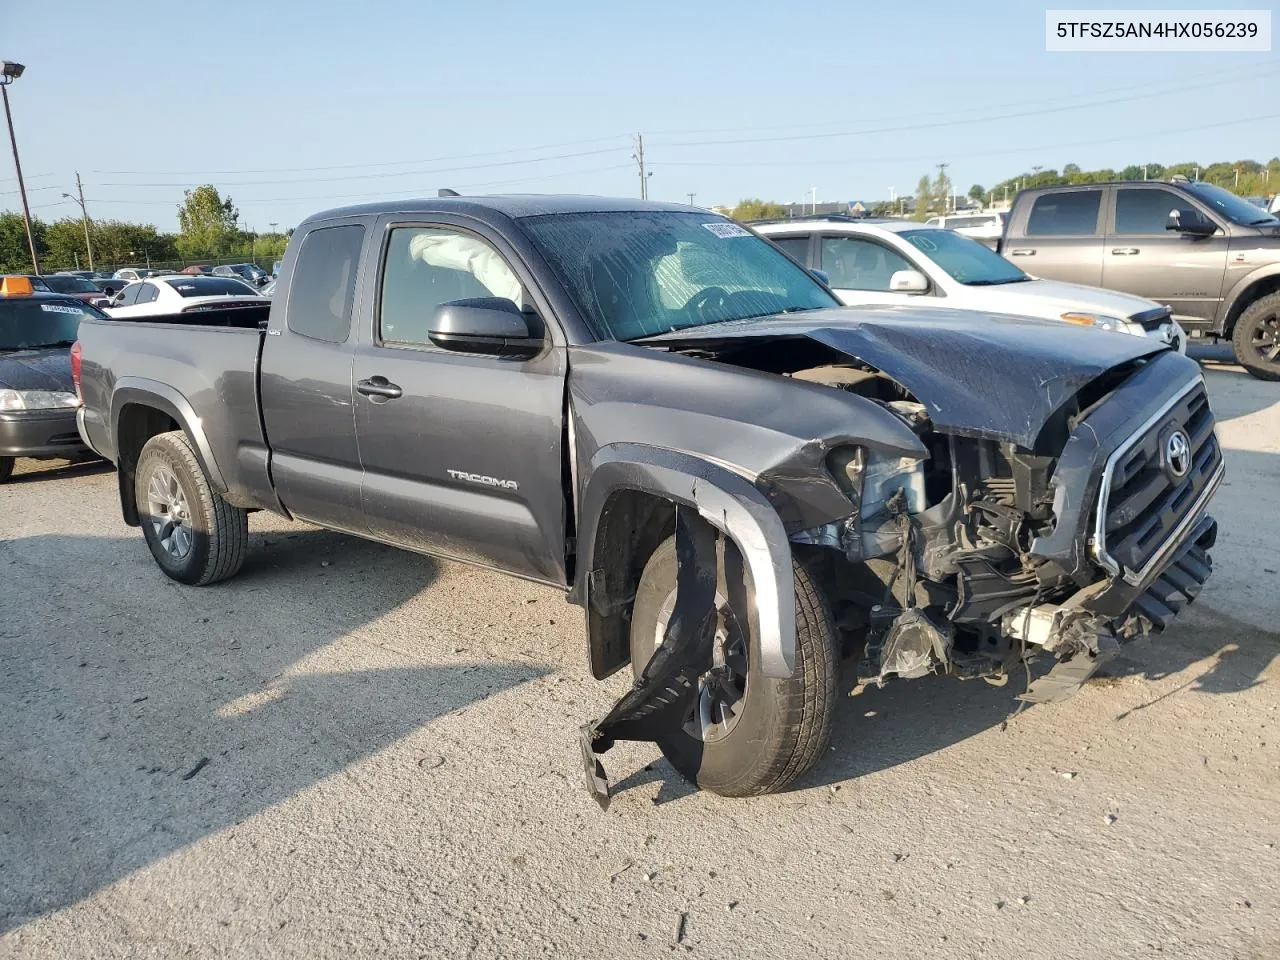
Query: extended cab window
x=856, y=264
x=324, y=283
x=428, y=266
x=797, y=247
x=1073, y=213
x=1145, y=211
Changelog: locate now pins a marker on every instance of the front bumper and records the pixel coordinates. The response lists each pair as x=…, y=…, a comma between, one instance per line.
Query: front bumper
x=40, y=433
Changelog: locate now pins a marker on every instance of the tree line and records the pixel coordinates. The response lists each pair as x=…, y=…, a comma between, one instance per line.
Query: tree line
x=1248, y=178
x=209, y=229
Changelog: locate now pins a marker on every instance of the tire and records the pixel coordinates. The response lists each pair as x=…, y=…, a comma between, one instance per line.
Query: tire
x=194, y=535
x=1256, y=338
x=6, y=468
x=782, y=726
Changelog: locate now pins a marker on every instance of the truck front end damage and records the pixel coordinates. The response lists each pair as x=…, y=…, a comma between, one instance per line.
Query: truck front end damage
x=1055, y=502
x=988, y=551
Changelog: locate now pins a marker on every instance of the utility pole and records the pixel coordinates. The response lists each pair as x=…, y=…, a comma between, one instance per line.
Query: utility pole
x=691, y=196
x=813, y=194
x=11, y=72
x=942, y=172
x=84, y=218
x=638, y=157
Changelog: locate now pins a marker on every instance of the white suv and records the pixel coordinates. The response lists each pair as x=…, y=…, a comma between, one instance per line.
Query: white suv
x=895, y=261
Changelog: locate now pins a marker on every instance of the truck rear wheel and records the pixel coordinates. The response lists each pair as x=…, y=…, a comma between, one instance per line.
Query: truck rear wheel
x=747, y=734
x=1256, y=338
x=194, y=535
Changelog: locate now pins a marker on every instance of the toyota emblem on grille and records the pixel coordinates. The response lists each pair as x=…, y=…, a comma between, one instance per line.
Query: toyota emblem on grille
x=1177, y=454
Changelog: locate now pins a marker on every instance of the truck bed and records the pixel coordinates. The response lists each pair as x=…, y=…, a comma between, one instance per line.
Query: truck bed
x=205, y=364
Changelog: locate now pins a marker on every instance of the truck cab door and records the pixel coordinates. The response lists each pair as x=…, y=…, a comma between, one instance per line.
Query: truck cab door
x=463, y=454
x=1060, y=236
x=1142, y=257
x=305, y=377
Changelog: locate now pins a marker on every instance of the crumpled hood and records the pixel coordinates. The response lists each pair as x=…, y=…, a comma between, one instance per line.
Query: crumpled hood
x=980, y=375
x=43, y=369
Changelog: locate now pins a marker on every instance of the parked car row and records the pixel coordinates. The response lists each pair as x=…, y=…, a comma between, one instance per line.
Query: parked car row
x=903, y=262
x=1208, y=255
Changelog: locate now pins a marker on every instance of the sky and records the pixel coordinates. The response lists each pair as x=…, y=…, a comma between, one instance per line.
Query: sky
x=293, y=107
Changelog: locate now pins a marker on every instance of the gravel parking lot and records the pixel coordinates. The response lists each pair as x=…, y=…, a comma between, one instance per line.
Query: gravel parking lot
x=351, y=751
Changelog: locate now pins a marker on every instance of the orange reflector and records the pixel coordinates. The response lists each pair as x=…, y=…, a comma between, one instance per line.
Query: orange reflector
x=15, y=287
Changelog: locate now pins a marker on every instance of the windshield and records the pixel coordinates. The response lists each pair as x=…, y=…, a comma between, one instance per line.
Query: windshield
x=27, y=324
x=1236, y=209
x=648, y=272
x=70, y=285
x=212, y=287
x=965, y=260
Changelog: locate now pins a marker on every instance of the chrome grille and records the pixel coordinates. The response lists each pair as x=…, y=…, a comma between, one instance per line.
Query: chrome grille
x=1143, y=503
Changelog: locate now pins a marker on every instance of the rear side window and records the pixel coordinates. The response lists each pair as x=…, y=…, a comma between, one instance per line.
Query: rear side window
x=797, y=247
x=1058, y=214
x=324, y=283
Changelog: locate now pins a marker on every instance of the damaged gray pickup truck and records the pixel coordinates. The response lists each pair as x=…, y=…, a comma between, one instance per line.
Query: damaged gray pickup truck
x=658, y=412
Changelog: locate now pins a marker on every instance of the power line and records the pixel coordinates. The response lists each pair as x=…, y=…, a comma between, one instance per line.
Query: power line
x=1000, y=151
x=1249, y=72
x=1039, y=111
x=380, y=176
x=329, y=197
x=357, y=166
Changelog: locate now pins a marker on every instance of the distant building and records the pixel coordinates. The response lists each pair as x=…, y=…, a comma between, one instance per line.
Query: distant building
x=853, y=208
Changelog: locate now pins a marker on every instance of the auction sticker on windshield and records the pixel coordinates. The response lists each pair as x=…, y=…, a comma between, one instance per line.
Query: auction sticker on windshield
x=58, y=308
x=726, y=230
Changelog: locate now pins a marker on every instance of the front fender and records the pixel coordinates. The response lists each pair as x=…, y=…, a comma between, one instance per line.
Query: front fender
x=161, y=396
x=1240, y=288
x=725, y=500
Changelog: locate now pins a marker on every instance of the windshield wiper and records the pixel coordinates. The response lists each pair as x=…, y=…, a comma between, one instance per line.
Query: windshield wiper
x=1257, y=223
x=994, y=283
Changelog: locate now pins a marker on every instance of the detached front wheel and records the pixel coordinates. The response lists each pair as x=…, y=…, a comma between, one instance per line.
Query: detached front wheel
x=194, y=535
x=1256, y=338
x=746, y=734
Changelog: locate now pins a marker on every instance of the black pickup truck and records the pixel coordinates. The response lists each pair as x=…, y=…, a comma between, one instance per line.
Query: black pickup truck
x=657, y=411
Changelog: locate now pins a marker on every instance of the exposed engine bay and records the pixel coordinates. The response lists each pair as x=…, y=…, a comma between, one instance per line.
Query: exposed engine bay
x=939, y=550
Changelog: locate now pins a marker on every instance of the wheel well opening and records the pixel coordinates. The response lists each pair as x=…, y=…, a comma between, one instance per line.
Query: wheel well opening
x=632, y=525
x=137, y=424
x=1262, y=288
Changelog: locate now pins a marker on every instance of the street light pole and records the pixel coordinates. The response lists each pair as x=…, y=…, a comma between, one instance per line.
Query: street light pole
x=84, y=216
x=10, y=72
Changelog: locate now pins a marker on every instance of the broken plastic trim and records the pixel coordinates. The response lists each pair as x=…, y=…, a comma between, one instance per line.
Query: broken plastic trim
x=659, y=701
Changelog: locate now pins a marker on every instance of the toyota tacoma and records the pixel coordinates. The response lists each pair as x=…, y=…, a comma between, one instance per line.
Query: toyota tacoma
x=656, y=411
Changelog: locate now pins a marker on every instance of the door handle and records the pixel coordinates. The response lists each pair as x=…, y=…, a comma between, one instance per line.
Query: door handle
x=1125, y=251
x=1022, y=252
x=379, y=388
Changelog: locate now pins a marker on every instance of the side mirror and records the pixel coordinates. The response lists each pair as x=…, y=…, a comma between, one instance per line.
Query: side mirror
x=822, y=277
x=908, y=281
x=1188, y=221
x=488, y=325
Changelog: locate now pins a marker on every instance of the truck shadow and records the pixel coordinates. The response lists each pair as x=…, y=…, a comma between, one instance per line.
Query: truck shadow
x=138, y=716
x=37, y=471
x=905, y=720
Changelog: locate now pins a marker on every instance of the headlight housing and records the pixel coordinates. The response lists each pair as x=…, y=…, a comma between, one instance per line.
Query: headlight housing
x=1096, y=320
x=11, y=400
